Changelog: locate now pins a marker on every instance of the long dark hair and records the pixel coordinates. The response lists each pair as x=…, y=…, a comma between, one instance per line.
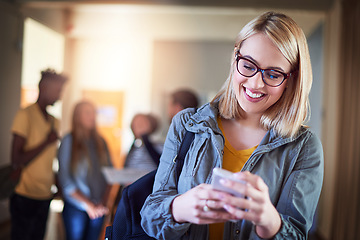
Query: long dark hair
x=80, y=135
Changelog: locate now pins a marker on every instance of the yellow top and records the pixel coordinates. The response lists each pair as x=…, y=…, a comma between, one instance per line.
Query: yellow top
x=37, y=177
x=233, y=160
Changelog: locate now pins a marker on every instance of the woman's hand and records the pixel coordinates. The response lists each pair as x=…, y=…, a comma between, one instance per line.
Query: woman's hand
x=194, y=206
x=256, y=207
x=93, y=210
x=96, y=211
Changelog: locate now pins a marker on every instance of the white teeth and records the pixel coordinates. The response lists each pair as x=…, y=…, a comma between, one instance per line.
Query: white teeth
x=253, y=95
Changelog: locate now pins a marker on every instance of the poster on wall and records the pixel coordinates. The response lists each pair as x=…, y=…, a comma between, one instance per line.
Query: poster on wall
x=106, y=115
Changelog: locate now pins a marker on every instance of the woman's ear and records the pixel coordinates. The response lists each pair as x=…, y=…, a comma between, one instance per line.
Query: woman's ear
x=236, y=49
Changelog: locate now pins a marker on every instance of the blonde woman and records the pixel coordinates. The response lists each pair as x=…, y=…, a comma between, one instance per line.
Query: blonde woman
x=254, y=127
x=81, y=155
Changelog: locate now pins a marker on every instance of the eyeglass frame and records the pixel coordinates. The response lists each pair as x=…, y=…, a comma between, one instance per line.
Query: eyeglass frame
x=258, y=69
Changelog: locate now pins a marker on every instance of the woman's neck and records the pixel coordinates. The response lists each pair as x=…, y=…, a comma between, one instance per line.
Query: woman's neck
x=251, y=121
x=243, y=133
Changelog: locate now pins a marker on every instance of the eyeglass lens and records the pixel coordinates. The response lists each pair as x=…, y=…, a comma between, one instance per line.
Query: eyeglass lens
x=270, y=76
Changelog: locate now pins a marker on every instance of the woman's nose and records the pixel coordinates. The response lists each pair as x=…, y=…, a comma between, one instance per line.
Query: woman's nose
x=256, y=81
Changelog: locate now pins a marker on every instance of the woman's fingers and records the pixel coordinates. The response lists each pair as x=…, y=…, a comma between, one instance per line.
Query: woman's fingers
x=97, y=211
x=203, y=205
x=256, y=205
x=251, y=186
x=200, y=205
x=254, y=180
x=215, y=204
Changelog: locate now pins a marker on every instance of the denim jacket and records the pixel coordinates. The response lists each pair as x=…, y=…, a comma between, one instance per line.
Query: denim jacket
x=292, y=168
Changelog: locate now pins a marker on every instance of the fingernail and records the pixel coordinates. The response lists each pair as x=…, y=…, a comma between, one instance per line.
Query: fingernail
x=226, y=207
x=224, y=182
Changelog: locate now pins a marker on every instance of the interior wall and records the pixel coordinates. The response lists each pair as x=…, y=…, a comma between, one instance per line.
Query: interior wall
x=330, y=121
x=11, y=28
x=109, y=65
x=42, y=48
x=202, y=66
x=316, y=45
x=53, y=18
x=164, y=22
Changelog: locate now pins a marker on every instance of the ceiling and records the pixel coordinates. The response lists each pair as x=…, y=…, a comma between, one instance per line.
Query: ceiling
x=318, y=5
x=92, y=17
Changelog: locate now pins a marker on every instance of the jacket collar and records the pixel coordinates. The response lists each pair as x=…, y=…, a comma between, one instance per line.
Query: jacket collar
x=205, y=120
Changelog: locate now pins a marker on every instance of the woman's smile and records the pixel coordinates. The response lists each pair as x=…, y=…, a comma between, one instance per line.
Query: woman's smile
x=252, y=95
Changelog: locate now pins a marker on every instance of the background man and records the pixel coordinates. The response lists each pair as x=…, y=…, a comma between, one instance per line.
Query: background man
x=35, y=133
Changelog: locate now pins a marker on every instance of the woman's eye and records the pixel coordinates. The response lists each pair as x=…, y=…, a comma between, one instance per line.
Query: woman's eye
x=273, y=75
x=249, y=67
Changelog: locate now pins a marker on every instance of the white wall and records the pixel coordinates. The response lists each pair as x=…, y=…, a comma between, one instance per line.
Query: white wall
x=202, y=66
x=42, y=48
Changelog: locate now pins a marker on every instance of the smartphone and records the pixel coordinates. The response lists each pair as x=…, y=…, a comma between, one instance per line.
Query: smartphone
x=219, y=173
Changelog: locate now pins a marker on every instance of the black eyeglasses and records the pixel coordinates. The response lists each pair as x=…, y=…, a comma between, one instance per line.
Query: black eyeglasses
x=270, y=77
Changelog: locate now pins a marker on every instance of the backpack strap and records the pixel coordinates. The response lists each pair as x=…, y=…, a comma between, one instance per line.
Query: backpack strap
x=154, y=154
x=184, y=147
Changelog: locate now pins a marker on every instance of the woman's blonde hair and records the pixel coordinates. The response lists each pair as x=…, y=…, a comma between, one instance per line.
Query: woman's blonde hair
x=79, y=137
x=291, y=111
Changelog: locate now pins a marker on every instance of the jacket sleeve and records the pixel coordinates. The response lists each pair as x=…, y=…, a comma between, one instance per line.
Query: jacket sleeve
x=156, y=216
x=300, y=194
x=64, y=155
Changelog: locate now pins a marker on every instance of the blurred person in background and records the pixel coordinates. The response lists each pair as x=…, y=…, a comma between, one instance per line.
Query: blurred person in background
x=144, y=153
x=34, y=145
x=81, y=155
x=181, y=99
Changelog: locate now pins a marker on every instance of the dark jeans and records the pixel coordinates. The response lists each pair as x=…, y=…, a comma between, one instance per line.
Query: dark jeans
x=79, y=226
x=28, y=217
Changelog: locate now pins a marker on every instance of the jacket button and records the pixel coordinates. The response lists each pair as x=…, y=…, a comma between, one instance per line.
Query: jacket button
x=191, y=124
x=222, y=152
x=237, y=231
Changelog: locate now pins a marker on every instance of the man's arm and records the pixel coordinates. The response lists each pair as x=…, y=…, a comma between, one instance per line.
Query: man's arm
x=20, y=157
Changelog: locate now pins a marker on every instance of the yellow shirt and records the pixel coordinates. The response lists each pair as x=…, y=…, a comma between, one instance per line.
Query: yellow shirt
x=233, y=160
x=37, y=177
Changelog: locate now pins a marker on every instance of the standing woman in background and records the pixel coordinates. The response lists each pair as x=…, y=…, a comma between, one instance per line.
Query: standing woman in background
x=254, y=127
x=81, y=155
